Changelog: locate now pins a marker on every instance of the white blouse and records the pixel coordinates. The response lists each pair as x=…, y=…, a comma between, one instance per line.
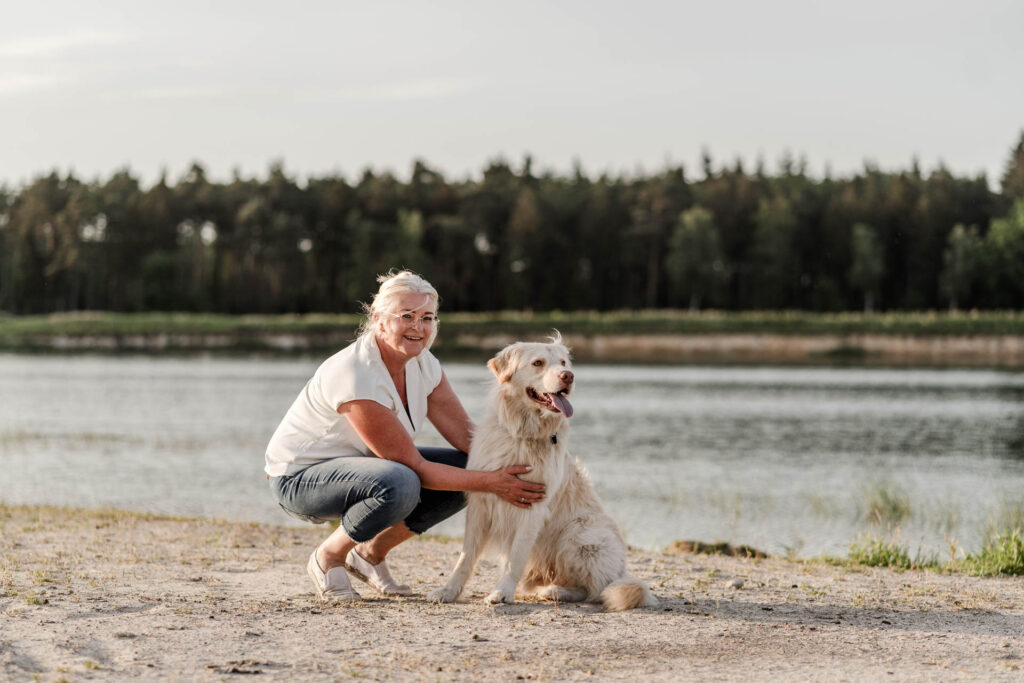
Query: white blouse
x=313, y=431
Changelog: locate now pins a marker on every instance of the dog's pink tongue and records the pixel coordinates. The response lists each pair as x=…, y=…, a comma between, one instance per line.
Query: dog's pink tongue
x=562, y=403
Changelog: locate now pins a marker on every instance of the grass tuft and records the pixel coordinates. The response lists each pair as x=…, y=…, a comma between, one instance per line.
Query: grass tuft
x=875, y=552
x=1002, y=554
x=872, y=551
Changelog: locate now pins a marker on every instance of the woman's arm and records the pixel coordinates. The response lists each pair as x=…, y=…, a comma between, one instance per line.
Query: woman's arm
x=445, y=412
x=384, y=434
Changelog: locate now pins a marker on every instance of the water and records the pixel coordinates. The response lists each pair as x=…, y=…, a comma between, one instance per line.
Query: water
x=789, y=460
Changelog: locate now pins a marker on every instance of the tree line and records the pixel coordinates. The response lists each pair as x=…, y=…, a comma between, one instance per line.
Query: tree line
x=727, y=238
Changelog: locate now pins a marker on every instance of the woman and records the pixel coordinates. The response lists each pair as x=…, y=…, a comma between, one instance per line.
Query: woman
x=345, y=450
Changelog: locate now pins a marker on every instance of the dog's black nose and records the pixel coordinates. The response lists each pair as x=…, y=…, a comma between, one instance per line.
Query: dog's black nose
x=566, y=376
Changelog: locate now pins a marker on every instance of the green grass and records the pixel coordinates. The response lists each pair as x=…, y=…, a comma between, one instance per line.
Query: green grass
x=250, y=331
x=872, y=551
x=100, y=323
x=1002, y=554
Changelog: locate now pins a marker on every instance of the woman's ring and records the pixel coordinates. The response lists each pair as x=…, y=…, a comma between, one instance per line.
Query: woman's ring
x=522, y=499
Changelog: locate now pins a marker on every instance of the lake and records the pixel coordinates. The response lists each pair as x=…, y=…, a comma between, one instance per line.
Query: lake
x=790, y=460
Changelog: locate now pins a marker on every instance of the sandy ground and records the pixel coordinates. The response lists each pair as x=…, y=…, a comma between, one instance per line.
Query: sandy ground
x=114, y=596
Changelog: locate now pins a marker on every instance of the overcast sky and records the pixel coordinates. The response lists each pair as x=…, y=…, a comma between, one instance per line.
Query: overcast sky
x=336, y=87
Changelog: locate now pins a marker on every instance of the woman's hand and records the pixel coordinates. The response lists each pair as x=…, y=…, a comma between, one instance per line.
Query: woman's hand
x=506, y=484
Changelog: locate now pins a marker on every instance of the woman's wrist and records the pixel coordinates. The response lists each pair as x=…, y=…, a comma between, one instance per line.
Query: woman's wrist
x=489, y=482
x=492, y=481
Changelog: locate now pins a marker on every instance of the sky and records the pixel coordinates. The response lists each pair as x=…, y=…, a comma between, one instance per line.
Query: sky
x=619, y=87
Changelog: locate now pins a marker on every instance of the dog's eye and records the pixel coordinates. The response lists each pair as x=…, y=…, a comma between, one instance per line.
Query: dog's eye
x=538, y=363
x=563, y=363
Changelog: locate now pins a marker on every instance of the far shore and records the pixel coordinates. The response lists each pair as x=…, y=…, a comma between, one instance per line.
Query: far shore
x=923, y=338
x=1002, y=351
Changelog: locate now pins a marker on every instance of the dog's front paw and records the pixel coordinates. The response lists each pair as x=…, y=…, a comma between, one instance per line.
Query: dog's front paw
x=500, y=596
x=443, y=594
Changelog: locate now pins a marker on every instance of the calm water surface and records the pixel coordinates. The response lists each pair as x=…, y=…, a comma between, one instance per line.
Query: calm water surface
x=784, y=459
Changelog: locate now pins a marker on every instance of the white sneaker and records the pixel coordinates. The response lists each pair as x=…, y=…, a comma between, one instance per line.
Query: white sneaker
x=332, y=585
x=377, y=575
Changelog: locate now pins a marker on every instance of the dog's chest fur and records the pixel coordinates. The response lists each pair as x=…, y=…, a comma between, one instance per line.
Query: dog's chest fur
x=546, y=453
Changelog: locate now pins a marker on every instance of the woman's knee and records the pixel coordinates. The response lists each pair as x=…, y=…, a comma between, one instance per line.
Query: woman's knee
x=392, y=498
x=401, y=487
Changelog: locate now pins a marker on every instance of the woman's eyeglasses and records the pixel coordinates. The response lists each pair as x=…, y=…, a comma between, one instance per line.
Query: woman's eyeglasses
x=409, y=318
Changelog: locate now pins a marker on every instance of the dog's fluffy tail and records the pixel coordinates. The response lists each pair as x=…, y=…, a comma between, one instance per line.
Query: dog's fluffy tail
x=627, y=593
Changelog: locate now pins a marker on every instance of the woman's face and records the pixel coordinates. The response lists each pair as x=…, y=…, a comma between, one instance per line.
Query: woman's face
x=407, y=328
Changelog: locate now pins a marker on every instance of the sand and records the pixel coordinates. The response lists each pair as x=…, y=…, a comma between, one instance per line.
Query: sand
x=117, y=596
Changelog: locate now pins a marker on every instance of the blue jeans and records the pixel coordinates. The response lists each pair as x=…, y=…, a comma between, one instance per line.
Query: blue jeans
x=369, y=494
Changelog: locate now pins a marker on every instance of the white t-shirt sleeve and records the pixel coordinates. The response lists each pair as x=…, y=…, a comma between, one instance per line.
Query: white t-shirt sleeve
x=354, y=381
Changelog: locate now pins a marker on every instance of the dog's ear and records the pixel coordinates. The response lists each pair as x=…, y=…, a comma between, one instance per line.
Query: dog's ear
x=504, y=364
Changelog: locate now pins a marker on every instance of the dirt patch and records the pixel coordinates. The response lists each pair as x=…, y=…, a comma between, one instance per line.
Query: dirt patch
x=719, y=548
x=115, y=596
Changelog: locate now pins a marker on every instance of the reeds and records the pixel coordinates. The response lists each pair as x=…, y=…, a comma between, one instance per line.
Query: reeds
x=886, y=503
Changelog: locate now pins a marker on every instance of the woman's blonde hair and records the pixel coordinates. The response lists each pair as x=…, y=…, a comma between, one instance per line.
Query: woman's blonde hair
x=393, y=285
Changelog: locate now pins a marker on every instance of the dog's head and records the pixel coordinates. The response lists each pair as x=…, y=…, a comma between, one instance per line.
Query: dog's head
x=536, y=376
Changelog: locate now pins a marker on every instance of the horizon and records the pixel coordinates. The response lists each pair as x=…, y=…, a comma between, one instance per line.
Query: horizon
x=301, y=179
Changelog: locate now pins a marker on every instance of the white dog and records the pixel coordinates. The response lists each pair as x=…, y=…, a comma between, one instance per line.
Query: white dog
x=564, y=548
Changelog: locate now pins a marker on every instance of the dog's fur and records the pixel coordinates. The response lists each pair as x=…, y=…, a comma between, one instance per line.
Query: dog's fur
x=564, y=548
